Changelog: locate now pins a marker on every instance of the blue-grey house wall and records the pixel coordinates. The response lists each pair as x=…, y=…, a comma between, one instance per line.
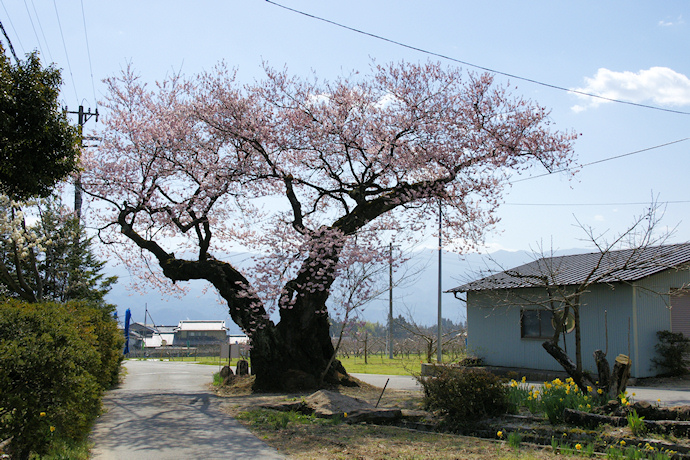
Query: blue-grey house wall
x=652, y=313
x=618, y=318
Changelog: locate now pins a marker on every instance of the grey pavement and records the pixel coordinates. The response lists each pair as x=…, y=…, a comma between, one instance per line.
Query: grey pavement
x=395, y=382
x=666, y=396
x=163, y=410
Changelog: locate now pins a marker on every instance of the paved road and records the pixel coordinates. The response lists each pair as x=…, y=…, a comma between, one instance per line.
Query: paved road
x=668, y=396
x=164, y=411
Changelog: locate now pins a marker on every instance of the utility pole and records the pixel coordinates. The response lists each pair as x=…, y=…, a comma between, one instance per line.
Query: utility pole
x=390, y=303
x=439, y=349
x=83, y=118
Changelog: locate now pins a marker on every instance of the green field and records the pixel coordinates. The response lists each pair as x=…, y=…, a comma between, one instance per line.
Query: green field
x=379, y=364
x=375, y=364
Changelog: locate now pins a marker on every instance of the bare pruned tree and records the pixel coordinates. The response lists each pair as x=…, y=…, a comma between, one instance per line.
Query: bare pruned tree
x=427, y=337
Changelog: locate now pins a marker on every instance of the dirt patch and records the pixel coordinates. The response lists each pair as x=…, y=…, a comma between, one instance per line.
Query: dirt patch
x=317, y=440
x=239, y=396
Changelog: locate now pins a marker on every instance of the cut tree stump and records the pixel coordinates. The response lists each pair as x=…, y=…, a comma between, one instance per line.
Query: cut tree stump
x=620, y=376
x=603, y=370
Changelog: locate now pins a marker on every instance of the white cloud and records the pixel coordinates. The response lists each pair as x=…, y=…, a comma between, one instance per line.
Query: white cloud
x=672, y=22
x=659, y=85
x=599, y=218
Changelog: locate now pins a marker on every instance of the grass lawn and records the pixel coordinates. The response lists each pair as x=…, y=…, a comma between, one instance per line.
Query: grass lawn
x=380, y=364
x=375, y=364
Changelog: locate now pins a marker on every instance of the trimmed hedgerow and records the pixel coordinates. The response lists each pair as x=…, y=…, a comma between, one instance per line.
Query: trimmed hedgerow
x=464, y=395
x=55, y=362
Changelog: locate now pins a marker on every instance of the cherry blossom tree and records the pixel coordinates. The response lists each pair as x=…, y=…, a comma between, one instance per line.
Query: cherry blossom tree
x=311, y=175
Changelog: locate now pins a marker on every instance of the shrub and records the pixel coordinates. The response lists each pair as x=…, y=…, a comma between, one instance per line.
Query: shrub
x=107, y=339
x=672, y=348
x=464, y=395
x=55, y=362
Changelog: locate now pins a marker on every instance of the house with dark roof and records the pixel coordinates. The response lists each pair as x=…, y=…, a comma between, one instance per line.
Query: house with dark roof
x=623, y=298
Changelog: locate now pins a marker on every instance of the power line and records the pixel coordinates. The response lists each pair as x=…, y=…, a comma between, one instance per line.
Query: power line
x=38, y=40
x=16, y=35
x=69, y=66
x=601, y=161
x=598, y=204
x=487, y=69
x=40, y=26
x=88, y=52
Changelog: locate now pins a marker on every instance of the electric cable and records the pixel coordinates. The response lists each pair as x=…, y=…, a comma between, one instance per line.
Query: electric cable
x=487, y=69
x=40, y=26
x=16, y=35
x=38, y=40
x=69, y=66
x=88, y=52
x=601, y=161
x=597, y=204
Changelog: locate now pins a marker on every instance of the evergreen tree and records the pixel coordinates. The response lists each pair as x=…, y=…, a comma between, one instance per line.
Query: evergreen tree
x=38, y=146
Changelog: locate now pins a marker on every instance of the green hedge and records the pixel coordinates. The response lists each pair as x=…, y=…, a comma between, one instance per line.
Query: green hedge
x=55, y=362
x=464, y=395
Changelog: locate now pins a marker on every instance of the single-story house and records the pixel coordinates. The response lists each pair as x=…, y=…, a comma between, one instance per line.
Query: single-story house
x=186, y=334
x=624, y=298
x=195, y=333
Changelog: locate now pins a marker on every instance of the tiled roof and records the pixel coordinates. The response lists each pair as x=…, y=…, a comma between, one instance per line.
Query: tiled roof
x=614, y=266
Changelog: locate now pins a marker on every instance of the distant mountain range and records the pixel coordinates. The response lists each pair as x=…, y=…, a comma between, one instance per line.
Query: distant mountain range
x=416, y=297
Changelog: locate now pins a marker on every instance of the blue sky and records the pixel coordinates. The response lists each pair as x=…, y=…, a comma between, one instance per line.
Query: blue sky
x=633, y=50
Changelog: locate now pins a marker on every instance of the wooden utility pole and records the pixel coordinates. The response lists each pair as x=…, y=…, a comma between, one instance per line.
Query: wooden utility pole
x=83, y=118
x=439, y=348
x=390, y=303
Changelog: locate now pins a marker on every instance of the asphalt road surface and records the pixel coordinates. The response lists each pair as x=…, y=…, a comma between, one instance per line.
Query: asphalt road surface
x=163, y=411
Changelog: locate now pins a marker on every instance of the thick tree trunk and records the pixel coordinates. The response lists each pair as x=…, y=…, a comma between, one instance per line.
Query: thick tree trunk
x=296, y=353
